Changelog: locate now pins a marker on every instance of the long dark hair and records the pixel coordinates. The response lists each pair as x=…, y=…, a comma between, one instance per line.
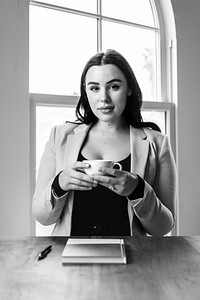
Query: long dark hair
x=132, y=111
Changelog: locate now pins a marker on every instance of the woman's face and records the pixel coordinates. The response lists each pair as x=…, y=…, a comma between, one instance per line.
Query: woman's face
x=107, y=91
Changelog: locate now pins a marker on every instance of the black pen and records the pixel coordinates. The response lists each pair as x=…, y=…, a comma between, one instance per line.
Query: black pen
x=45, y=252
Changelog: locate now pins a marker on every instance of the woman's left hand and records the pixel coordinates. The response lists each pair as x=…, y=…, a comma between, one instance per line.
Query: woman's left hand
x=121, y=182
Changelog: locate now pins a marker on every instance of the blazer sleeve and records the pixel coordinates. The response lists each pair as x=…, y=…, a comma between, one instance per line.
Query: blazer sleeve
x=156, y=209
x=46, y=206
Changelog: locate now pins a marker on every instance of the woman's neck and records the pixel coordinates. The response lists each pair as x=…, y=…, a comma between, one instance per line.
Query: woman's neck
x=118, y=126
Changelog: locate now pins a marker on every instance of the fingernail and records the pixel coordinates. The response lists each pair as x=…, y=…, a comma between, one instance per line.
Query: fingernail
x=95, y=182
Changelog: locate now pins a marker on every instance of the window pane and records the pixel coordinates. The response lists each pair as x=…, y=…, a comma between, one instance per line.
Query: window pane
x=86, y=5
x=46, y=118
x=139, y=48
x=136, y=11
x=158, y=117
x=60, y=45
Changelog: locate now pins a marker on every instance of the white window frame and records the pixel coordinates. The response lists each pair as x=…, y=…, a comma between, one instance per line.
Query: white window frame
x=166, y=71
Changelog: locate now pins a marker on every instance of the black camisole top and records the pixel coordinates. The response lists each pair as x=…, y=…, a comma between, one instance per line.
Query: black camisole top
x=100, y=211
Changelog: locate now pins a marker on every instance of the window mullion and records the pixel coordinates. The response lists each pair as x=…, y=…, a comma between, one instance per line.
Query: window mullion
x=99, y=26
x=158, y=67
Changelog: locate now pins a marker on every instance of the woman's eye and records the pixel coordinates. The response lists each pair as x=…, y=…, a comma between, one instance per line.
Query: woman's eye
x=94, y=88
x=114, y=87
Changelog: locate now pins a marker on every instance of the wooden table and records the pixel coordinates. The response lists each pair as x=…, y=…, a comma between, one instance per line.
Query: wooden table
x=157, y=268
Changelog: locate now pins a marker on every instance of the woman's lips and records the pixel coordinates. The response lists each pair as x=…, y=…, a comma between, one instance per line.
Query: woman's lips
x=106, y=109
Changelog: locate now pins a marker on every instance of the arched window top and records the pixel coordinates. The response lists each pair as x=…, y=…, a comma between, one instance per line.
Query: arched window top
x=136, y=11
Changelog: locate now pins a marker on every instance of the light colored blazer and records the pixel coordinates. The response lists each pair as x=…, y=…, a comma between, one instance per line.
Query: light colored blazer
x=151, y=159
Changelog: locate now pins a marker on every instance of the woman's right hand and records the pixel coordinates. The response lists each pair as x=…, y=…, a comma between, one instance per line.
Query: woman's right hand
x=74, y=178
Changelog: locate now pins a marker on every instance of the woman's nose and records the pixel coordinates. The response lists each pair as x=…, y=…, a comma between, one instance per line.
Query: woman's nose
x=104, y=97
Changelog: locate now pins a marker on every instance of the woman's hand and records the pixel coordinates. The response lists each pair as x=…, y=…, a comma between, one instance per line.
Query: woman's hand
x=74, y=178
x=121, y=182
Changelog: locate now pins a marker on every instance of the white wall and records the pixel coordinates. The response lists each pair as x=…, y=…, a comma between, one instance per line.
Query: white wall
x=14, y=119
x=15, y=217
x=188, y=47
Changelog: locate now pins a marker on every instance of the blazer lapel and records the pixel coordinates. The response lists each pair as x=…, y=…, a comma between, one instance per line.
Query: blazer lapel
x=139, y=151
x=74, y=143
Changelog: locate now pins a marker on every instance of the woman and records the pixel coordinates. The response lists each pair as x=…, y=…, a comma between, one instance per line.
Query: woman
x=137, y=200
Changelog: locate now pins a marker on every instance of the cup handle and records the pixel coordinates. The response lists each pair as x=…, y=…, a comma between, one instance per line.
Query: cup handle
x=117, y=164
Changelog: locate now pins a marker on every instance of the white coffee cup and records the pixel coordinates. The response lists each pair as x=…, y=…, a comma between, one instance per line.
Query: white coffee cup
x=99, y=163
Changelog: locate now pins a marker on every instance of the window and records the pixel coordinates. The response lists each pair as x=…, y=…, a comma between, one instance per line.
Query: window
x=64, y=34
x=58, y=53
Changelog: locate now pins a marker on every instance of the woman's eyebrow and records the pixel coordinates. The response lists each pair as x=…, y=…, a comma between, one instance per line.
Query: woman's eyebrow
x=92, y=82
x=110, y=81
x=114, y=80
